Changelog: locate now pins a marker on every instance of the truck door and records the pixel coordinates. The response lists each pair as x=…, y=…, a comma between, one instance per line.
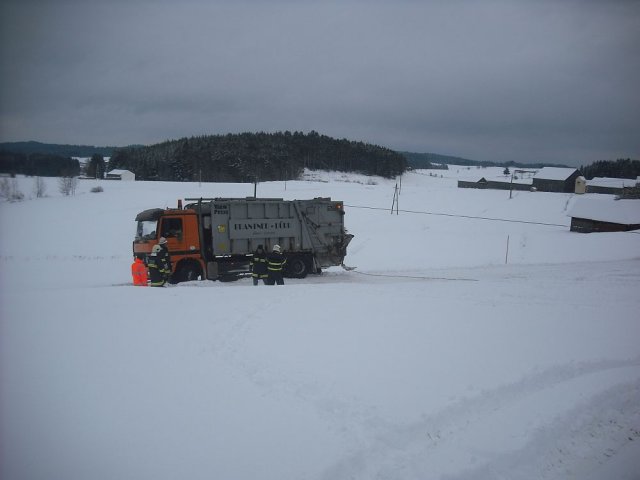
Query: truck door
x=172, y=228
x=181, y=232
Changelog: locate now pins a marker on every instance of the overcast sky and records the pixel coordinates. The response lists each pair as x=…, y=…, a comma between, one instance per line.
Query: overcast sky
x=550, y=81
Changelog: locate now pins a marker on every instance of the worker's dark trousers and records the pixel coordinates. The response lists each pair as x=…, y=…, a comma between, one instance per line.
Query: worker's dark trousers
x=275, y=278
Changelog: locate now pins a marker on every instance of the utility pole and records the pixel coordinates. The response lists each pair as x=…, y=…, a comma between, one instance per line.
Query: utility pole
x=511, y=185
x=396, y=199
x=506, y=255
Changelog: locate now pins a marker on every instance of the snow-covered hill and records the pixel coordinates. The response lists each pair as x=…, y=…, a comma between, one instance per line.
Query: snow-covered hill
x=477, y=339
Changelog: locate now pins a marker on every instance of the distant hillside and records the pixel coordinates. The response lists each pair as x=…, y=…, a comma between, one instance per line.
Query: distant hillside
x=431, y=160
x=242, y=157
x=38, y=164
x=28, y=148
x=232, y=157
x=247, y=157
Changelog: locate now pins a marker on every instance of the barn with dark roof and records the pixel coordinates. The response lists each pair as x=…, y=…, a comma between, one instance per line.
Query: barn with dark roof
x=555, y=179
x=590, y=214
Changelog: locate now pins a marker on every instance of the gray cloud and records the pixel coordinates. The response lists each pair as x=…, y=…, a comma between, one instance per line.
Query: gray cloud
x=496, y=80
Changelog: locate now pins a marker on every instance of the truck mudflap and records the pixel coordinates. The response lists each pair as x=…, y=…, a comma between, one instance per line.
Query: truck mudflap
x=212, y=270
x=341, y=247
x=335, y=252
x=346, y=240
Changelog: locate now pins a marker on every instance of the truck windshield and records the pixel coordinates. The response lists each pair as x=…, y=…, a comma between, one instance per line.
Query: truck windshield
x=146, y=230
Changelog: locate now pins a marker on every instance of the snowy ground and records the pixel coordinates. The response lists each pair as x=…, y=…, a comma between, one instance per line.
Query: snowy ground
x=442, y=356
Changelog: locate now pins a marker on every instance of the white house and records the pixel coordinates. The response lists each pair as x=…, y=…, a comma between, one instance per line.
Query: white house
x=121, y=175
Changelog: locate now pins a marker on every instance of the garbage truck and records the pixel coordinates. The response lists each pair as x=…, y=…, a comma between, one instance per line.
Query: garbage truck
x=214, y=238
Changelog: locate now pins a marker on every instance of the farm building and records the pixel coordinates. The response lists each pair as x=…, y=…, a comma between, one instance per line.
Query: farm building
x=483, y=183
x=631, y=192
x=547, y=179
x=121, y=175
x=555, y=179
x=612, y=186
x=604, y=215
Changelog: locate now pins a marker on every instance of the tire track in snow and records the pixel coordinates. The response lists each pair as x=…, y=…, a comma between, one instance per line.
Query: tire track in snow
x=576, y=443
x=350, y=417
x=463, y=437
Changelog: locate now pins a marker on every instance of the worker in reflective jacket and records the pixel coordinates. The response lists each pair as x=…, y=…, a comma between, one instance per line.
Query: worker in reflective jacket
x=259, y=265
x=156, y=268
x=139, y=272
x=275, y=265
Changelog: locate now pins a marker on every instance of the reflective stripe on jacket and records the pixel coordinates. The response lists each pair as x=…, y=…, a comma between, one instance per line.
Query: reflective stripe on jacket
x=259, y=266
x=164, y=261
x=157, y=276
x=276, y=262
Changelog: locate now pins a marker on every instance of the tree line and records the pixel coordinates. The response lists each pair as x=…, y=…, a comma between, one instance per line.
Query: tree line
x=38, y=165
x=249, y=157
x=436, y=161
x=29, y=148
x=621, y=168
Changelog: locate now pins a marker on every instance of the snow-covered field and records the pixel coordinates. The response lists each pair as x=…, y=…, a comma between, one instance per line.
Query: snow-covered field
x=443, y=355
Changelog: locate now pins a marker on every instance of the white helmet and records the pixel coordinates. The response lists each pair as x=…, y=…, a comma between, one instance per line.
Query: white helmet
x=276, y=248
x=162, y=241
x=156, y=249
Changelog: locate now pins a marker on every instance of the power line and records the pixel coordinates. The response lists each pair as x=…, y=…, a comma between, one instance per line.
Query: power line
x=475, y=217
x=462, y=216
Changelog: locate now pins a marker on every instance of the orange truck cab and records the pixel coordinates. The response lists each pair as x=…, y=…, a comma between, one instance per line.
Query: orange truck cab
x=180, y=228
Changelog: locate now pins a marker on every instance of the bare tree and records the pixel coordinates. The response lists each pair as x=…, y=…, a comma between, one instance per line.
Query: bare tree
x=9, y=190
x=39, y=187
x=5, y=188
x=67, y=185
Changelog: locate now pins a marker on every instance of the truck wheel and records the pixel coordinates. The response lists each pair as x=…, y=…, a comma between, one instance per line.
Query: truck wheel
x=297, y=267
x=189, y=271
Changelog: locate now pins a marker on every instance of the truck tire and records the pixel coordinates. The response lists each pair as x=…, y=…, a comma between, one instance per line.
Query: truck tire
x=188, y=271
x=297, y=267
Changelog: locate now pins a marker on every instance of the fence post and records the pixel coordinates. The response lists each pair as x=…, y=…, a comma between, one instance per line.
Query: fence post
x=506, y=256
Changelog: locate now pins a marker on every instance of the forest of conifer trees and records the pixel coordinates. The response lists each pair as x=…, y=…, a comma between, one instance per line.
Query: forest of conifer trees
x=621, y=168
x=248, y=157
x=38, y=164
